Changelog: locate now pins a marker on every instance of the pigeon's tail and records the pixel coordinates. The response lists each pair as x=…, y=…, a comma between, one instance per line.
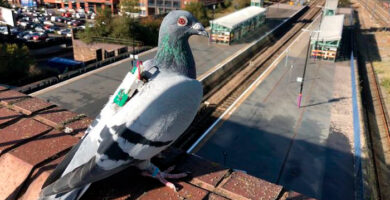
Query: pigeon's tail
x=75, y=194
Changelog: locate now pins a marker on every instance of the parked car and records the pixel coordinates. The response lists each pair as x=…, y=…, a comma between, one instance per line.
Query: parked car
x=53, y=18
x=80, y=15
x=28, y=37
x=40, y=36
x=48, y=23
x=39, y=29
x=3, y=30
x=76, y=23
x=67, y=14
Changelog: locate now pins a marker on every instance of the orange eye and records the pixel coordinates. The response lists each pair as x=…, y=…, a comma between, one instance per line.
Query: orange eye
x=182, y=21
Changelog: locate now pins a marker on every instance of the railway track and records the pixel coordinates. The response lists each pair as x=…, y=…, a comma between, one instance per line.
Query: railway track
x=378, y=12
x=376, y=116
x=222, y=96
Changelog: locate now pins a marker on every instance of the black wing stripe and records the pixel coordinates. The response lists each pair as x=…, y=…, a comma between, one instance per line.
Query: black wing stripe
x=56, y=174
x=137, y=138
x=88, y=173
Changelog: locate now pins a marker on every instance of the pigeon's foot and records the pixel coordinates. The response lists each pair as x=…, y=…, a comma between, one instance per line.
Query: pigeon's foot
x=163, y=175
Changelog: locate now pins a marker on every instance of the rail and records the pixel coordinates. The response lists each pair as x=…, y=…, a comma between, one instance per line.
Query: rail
x=377, y=12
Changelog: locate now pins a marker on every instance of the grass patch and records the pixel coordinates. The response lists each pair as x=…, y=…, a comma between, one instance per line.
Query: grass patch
x=386, y=84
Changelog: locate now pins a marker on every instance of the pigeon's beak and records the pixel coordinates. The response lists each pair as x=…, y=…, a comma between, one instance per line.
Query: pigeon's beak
x=198, y=29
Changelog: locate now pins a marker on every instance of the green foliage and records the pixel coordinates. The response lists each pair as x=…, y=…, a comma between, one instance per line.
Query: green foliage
x=147, y=31
x=101, y=28
x=15, y=62
x=227, y=3
x=239, y=4
x=386, y=84
x=199, y=11
x=122, y=28
x=129, y=6
x=103, y=22
x=4, y=3
x=344, y=3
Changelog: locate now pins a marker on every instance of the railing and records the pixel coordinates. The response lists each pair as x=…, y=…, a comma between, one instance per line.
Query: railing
x=117, y=41
x=32, y=87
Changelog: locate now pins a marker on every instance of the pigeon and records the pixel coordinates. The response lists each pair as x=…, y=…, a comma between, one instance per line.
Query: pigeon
x=154, y=117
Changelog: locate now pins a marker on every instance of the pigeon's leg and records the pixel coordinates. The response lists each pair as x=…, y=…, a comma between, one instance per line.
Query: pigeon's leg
x=150, y=170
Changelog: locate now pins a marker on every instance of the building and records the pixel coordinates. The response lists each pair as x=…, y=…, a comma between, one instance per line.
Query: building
x=157, y=7
x=258, y=3
x=236, y=25
x=84, y=4
x=330, y=7
x=83, y=52
x=325, y=42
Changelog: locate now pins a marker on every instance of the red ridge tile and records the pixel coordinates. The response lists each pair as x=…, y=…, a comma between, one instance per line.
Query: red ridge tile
x=20, y=132
x=7, y=97
x=3, y=88
x=216, y=197
x=243, y=186
x=187, y=191
x=7, y=115
x=31, y=105
x=79, y=126
x=206, y=174
x=291, y=195
x=55, y=116
x=14, y=172
x=53, y=143
x=37, y=178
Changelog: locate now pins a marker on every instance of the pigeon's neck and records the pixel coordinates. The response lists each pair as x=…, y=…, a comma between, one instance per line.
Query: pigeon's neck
x=175, y=55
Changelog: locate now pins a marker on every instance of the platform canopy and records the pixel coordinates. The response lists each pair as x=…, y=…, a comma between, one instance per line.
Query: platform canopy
x=331, y=28
x=235, y=19
x=331, y=4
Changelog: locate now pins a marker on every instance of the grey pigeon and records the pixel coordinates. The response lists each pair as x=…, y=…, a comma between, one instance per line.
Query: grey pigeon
x=146, y=125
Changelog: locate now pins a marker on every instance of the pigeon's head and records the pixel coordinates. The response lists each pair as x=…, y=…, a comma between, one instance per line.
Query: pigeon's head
x=181, y=24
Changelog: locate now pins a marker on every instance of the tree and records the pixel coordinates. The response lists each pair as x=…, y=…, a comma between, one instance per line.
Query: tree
x=101, y=28
x=15, y=62
x=199, y=11
x=129, y=6
x=103, y=22
x=239, y=4
x=344, y=3
x=4, y=3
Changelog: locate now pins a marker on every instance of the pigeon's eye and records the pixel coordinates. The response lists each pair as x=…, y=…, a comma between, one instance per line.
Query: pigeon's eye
x=182, y=21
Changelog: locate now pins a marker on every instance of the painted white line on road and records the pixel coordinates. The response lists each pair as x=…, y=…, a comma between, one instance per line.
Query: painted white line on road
x=233, y=107
x=60, y=84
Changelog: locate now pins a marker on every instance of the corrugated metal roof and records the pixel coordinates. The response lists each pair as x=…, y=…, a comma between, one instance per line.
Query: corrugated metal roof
x=331, y=4
x=331, y=28
x=238, y=17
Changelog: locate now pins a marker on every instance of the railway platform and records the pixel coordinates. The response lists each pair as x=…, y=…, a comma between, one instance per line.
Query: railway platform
x=308, y=149
x=88, y=93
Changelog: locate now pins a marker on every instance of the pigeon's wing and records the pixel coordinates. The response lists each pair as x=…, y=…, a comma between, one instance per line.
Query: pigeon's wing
x=147, y=124
x=158, y=114
x=84, y=168
x=56, y=174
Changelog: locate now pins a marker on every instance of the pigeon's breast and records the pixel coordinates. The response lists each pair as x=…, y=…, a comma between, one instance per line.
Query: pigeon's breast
x=160, y=112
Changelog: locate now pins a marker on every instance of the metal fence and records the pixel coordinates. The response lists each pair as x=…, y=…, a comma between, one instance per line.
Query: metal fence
x=32, y=87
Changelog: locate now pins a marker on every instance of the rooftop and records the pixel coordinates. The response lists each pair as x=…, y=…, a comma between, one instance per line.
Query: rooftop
x=238, y=17
x=33, y=142
x=331, y=28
